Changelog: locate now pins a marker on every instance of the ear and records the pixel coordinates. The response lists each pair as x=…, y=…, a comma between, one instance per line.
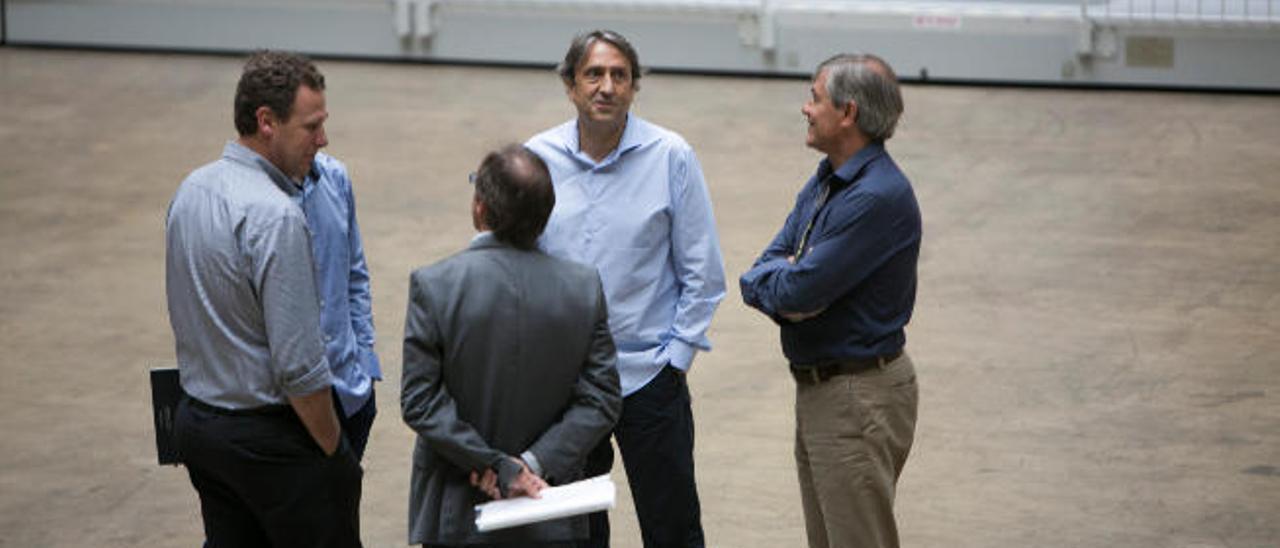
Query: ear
x=849, y=117
x=477, y=213
x=267, y=121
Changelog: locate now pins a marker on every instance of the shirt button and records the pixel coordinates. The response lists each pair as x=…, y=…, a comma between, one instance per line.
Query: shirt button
x=321, y=303
x=328, y=338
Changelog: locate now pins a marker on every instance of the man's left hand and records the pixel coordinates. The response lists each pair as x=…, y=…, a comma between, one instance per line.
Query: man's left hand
x=486, y=482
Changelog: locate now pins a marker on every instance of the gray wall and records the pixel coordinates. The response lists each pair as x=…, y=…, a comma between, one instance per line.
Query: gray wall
x=1037, y=41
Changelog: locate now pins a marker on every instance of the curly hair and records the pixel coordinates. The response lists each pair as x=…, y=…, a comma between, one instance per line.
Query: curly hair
x=271, y=79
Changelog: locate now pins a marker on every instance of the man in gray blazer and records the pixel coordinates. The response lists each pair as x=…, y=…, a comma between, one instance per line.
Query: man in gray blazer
x=509, y=368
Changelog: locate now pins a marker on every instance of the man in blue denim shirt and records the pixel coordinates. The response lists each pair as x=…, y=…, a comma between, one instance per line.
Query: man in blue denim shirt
x=840, y=280
x=342, y=280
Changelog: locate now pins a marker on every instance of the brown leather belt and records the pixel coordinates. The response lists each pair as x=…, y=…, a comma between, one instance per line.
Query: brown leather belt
x=824, y=371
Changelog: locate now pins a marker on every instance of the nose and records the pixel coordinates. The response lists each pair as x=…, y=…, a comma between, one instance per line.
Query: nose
x=322, y=139
x=607, y=85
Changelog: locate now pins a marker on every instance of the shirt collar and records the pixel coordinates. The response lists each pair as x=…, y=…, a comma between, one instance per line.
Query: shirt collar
x=636, y=134
x=849, y=170
x=237, y=152
x=312, y=179
x=484, y=239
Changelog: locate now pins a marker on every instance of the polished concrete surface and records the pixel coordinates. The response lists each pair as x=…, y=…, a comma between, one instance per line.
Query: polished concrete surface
x=1095, y=335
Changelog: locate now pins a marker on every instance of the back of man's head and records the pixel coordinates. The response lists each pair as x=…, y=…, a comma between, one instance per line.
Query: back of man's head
x=514, y=187
x=271, y=79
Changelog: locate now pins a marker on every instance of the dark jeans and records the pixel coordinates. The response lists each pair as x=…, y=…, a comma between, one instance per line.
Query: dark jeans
x=655, y=436
x=263, y=481
x=356, y=427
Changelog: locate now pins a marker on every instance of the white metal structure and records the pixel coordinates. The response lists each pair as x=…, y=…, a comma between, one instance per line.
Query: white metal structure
x=1230, y=44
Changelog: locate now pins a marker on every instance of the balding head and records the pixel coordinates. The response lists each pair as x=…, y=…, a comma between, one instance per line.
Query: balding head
x=514, y=188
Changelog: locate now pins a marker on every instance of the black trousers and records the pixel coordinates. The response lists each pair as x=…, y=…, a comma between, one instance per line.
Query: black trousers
x=263, y=481
x=356, y=427
x=655, y=436
x=505, y=545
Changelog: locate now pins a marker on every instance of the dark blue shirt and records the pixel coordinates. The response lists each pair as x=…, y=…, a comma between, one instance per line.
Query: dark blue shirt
x=858, y=267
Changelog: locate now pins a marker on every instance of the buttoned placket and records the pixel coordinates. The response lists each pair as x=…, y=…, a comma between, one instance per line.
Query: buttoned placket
x=593, y=188
x=813, y=219
x=591, y=213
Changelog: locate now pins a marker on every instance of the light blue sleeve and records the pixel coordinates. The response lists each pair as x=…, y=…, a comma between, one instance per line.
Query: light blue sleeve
x=695, y=254
x=359, y=297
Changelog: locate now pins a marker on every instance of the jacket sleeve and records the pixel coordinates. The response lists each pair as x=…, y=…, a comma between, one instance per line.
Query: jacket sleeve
x=594, y=409
x=425, y=402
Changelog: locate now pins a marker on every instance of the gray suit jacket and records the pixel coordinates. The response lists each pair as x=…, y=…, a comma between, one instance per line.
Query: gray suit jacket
x=504, y=351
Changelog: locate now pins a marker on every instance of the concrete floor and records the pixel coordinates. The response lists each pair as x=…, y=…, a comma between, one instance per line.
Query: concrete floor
x=1096, y=331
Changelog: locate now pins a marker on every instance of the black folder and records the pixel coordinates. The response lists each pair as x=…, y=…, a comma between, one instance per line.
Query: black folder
x=166, y=391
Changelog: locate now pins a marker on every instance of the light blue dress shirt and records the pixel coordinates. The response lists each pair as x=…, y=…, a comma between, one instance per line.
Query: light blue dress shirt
x=342, y=280
x=642, y=216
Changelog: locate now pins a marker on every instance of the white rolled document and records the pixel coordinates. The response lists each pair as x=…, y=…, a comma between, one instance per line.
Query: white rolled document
x=580, y=497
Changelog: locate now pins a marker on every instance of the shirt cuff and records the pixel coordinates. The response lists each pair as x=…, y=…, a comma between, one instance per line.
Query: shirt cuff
x=508, y=471
x=369, y=362
x=751, y=281
x=679, y=354
x=316, y=378
x=531, y=460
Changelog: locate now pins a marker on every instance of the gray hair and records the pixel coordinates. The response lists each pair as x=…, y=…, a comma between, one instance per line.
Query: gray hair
x=869, y=82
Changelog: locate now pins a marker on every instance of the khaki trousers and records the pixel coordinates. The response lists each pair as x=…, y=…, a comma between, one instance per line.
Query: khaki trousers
x=853, y=434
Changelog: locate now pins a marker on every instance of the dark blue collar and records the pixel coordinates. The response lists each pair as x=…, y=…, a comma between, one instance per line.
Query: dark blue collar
x=849, y=170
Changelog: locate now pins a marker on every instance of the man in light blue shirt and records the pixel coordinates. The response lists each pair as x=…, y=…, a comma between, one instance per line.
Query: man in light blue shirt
x=342, y=280
x=631, y=201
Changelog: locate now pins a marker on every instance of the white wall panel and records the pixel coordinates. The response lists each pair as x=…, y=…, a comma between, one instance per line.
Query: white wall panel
x=1178, y=43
